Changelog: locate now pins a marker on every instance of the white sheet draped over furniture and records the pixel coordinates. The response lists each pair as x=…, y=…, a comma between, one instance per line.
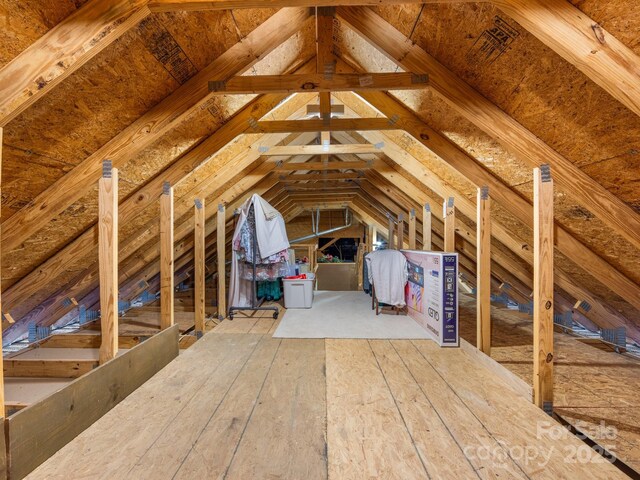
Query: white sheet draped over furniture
x=387, y=270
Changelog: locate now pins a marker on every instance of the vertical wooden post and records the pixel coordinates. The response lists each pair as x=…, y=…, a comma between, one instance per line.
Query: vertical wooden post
x=390, y=234
x=108, y=260
x=374, y=235
x=1, y=314
x=426, y=227
x=325, y=63
x=222, y=278
x=543, y=288
x=166, y=257
x=400, y=236
x=199, y=247
x=483, y=272
x=412, y=229
x=449, y=214
x=370, y=240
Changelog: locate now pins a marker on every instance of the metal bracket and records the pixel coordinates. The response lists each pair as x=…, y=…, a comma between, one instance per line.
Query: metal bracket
x=198, y=203
x=427, y=208
x=421, y=78
x=545, y=173
x=166, y=188
x=450, y=202
x=329, y=70
x=107, y=168
x=484, y=192
x=217, y=85
x=221, y=207
x=253, y=123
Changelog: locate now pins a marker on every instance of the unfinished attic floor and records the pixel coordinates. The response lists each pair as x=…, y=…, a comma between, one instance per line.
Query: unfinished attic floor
x=248, y=406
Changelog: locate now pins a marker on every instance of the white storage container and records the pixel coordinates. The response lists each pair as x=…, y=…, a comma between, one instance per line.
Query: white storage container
x=298, y=293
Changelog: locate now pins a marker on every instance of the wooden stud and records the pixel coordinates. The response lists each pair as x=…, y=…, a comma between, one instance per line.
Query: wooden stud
x=108, y=260
x=199, y=247
x=166, y=257
x=449, y=214
x=400, y=232
x=339, y=82
x=222, y=275
x=412, y=229
x=390, y=243
x=370, y=240
x=483, y=272
x=426, y=227
x=543, y=288
x=325, y=63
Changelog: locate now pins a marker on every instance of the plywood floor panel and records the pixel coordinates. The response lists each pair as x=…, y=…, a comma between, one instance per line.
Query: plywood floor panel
x=366, y=434
x=285, y=436
x=248, y=406
x=227, y=424
x=441, y=455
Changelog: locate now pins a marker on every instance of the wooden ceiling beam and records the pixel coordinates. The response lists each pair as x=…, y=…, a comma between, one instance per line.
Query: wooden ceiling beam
x=168, y=114
x=323, y=166
x=252, y=84
x=303, y=177
x=317, y=125
x=63, y=50
x=199, y=5
x=319, y=149
x=473, y=106
x=583, y=43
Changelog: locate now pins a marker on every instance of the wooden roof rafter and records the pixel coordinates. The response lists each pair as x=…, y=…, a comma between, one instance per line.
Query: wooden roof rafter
x=488, y=117
x=63, y=50
x=167, y=114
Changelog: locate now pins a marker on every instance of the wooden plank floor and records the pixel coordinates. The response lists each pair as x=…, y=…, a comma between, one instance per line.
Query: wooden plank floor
x=592, y=387
x=241, y=405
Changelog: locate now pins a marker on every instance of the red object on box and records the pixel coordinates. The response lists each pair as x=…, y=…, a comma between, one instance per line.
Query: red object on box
x=297, y=277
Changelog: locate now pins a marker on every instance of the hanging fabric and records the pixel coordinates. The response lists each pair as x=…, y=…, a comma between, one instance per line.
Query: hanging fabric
x=259, y=218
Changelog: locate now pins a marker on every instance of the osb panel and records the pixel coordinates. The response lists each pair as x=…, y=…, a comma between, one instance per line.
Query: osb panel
x=192, y=30
x=247, y=20
x=88, y=109
x=621, y=18
x=22, y=23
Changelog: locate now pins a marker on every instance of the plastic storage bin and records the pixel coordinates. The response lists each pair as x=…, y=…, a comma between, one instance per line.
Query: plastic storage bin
x=298, y=293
